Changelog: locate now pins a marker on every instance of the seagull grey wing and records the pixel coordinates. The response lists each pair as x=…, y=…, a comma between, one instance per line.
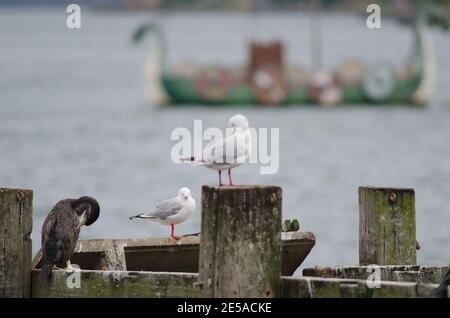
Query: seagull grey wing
x=166, y=208
x=213, y=152
x=228, y=150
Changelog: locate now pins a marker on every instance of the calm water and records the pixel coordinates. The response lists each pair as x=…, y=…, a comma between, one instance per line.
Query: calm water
x=74, y=120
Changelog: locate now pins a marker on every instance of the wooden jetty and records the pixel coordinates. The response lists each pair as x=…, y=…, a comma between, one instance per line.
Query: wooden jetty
x=164, y=255
x=240, y=253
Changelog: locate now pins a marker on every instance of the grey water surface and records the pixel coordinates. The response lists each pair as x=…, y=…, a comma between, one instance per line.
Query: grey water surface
x=75, y=120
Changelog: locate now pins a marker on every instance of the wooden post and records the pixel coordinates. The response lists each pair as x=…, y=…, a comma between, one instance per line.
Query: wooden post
x=387, y=226
x=240, y=242
x=15, y=242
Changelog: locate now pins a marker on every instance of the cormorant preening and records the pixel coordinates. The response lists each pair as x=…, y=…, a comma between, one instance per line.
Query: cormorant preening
x=61, y=229
x=441, y=291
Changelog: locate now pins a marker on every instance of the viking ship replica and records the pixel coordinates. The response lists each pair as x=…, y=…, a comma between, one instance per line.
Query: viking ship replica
x=267, y=80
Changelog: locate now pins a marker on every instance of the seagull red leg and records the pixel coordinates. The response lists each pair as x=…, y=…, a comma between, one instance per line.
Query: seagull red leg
x=172, y=235
x=220, y=178
x=229, y=177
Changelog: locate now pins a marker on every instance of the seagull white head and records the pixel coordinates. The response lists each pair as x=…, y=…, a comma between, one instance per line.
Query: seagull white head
x=238, y=121
x=184, y=194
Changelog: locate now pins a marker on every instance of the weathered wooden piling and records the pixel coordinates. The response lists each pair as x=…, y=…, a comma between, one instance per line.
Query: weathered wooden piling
x=15, y=243
x=240, y=253
x=240, y=244
x=387, y=226
x=393, y=273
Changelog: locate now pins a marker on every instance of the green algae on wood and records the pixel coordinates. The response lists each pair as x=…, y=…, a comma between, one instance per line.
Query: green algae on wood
x=395, y=273
x=290, y=225
x=15, y=243
x=387, y=226
x=240, y=244
x=182, y=285
x=313, y=287
x=106, y=284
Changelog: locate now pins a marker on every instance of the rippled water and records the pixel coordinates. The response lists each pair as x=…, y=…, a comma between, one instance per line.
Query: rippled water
x=74, y=120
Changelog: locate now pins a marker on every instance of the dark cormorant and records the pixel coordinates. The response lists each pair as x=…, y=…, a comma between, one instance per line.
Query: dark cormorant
x=441, y=291
x=61, y=229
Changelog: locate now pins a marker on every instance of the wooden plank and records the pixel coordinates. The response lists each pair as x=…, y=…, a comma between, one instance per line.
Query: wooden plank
x=295, y=247
x=387, y=226
x=313, y=287
x=149, y=284
x=240, y=245
x=411, y=273
x=15, y=242
x=163, y=255
x=106, y=284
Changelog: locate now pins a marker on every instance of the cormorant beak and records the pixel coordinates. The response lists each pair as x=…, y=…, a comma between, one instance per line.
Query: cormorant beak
x=81, y=224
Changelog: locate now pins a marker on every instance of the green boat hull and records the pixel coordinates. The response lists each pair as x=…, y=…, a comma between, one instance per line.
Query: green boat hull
x=184, y=91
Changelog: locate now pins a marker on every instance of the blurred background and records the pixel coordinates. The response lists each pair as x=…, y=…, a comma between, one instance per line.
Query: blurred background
x=80, y=113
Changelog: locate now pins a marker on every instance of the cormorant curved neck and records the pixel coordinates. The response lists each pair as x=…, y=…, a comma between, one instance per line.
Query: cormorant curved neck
x=89, y=206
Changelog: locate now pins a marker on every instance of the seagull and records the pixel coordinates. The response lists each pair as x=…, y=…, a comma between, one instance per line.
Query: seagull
x=171, y=211
x=228, y=152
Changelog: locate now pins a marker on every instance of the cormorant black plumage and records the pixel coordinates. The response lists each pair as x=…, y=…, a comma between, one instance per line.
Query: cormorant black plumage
x=61, y=229
x=441, y=291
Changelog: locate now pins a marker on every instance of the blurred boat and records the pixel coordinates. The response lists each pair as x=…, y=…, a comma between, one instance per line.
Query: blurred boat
x=266, y=80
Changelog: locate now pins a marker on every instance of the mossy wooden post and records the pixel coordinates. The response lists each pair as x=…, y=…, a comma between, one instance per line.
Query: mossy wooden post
x=15, y=242
x=387, y=226
x=240, y=242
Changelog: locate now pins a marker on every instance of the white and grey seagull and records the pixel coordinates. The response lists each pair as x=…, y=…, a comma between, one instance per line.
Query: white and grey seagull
x=228, y=152
x=171, y=211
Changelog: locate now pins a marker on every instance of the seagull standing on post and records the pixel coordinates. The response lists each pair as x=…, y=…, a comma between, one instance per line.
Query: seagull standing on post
x=228, y=152
x=171, y=211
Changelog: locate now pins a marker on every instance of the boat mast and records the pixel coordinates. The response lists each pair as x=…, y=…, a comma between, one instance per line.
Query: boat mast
x=316, y=35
